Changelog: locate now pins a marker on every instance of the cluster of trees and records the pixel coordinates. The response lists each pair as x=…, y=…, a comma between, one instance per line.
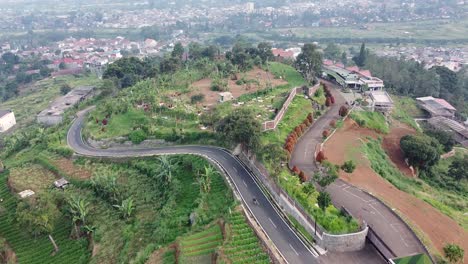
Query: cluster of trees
x=245, y=56
x=334, y=53
x=127, y=72
x=240, y=126
x=12, y=65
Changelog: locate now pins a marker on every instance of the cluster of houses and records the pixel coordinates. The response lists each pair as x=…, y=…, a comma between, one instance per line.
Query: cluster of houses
x=454, y=58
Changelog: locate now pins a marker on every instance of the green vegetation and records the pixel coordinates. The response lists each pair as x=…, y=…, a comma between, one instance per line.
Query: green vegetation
x=348, y=166
x=421, y=151
x=416, y=259
x=38, y=249
x=286, y=72
x=201, y=245
x=331, y=219
x=447, y=198
x=372, y=120
x=242, y=246
x=405, y=110
x=42, y=92
x=319, y=96
x=454, y=253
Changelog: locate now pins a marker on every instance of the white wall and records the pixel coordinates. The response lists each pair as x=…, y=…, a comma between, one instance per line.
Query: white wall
x=7, y=121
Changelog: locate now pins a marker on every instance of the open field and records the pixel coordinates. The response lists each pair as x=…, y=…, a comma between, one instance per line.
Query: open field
x=421, y=30
x=30, y=176
x=40, y=95
x=436, y=212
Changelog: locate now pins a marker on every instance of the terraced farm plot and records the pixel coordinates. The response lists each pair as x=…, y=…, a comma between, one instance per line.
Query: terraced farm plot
x=199, y=247
x=243, y=246
x=38, y=250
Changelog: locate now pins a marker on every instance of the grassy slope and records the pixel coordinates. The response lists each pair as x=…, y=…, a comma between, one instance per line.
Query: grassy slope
x=416, y=259
x=450, y=203
x=27, y=106
x=372, y=120
x=405, y=110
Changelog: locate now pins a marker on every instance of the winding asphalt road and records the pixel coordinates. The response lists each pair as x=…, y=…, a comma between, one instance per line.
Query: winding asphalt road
x=286, y=241
x=388, y=226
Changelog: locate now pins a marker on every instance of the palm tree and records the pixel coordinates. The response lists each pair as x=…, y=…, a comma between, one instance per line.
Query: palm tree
x=126, y=208
x=205, y=177
x=165, y=170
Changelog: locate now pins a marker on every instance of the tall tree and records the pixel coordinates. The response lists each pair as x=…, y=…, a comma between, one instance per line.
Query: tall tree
x=309, y=62
x=361, y=58
x=459, y=168
x=332, y=52
x=344, y=58
x=178, y=51
x=323, y=200
x=264, y=51
x=421, y=151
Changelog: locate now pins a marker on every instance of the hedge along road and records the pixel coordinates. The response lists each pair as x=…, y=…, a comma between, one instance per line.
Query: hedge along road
x=286, y=241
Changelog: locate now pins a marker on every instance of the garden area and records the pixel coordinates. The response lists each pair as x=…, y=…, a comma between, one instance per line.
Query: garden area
x=162, y=108
x=127, y=210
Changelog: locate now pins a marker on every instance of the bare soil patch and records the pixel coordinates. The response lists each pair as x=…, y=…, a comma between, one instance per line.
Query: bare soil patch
x=439, y=228
x=260, y=77
x=391, y=145
x=71, y=169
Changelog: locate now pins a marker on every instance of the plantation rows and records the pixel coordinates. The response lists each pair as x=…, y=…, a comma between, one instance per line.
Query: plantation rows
x=38, y=250
x=244, y=246
x=202, y=243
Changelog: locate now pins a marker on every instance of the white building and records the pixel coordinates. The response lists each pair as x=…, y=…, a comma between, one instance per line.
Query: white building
x=7, y=120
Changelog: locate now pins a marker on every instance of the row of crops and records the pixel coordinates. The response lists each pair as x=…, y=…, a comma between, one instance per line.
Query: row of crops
x=37, y=249
x=243, y=245
x=199, y=247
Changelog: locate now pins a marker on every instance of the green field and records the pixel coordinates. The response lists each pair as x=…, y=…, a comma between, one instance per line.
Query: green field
x=199, y=247
x=372, y=120
x=243, y=245
x=405, y=110
x=421, y=30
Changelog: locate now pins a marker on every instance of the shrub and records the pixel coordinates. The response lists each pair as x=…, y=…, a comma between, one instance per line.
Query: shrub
x=444, y=138
x=63, y=151
x=137, y=136
x=325, y=133
x=198, y=98
x=303, y=177
x=310, y=117
x=333, y=123
x=328, y=101
x=104, y=122
x=296, y=170
x=349, y=166
x=332, y=99
x=320, y=156
x=343, y=111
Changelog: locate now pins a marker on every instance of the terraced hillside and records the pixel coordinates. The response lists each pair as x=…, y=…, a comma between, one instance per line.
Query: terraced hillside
x=199, y=247
x=243, y=246
x=38, y=250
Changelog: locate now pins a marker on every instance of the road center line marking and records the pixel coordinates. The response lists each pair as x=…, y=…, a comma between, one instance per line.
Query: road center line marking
x=294, y=249
x=244, y=183
x=272, y=222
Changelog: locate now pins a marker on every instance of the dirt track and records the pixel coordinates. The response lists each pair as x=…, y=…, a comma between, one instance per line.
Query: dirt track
x=439, y=228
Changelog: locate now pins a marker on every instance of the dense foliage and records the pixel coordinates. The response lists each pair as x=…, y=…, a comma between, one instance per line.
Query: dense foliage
x=309, y=62
x=420, y=150
x=241, y=127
